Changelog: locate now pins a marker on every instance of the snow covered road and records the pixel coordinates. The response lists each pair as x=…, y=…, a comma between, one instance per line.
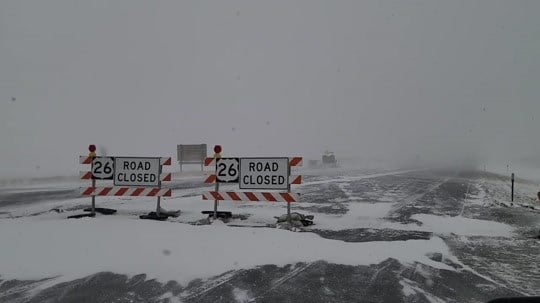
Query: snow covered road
x=402, y=236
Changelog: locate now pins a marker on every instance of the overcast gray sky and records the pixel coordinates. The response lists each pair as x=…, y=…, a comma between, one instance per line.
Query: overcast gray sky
x=385, y=79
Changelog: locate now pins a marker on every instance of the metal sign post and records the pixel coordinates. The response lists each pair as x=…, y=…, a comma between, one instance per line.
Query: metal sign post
x=102, y=168
x=217, y=155
x=93, y=198
x=513, y=187
x=216, y=202
x=226, y=172
x=288, y=202
x=158, y=208
x=92, y=154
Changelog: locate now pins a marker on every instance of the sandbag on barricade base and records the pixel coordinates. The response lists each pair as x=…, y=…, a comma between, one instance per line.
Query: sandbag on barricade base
x=103, y=211
x=153, y=216
x=81, y=216
x=220, y=214
x=304, y=220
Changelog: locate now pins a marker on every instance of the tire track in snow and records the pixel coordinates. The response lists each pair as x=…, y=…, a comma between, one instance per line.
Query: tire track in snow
x=201, y=291
x=347, y=179
x=410, y=201
x=275, y=284
x=289, y=276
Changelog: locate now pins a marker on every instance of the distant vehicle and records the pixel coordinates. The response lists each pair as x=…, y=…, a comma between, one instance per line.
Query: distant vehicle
x=329, y=160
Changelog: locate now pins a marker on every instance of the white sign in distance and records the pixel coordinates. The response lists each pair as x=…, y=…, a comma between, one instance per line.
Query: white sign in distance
x=130, y=171
x=103, y=168
x=227, y=170
x=264, y=173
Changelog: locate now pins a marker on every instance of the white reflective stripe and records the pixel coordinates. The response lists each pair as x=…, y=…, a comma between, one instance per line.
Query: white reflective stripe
x=124, y=191
x=259, y=196
x=245, y=196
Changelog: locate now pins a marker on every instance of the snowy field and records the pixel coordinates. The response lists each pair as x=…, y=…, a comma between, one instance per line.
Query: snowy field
x=378, y=236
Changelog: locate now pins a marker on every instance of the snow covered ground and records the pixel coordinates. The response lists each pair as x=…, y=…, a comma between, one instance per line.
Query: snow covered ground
x=167, y=251
x=414, y=236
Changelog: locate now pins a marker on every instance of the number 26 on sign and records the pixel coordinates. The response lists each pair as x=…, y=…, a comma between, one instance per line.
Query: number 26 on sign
x=227, y=170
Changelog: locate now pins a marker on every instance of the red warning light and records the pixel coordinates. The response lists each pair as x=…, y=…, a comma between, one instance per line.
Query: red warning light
x=92, y=148
x=217, y=149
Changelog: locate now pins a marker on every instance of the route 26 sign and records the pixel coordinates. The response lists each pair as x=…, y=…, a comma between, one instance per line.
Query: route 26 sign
x=103, y=168
x=227, y=170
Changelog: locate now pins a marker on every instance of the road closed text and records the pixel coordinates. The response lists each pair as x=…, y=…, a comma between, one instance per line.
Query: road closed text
x=264, y=180
x=264, y=173
x=136, y=177
x=137, y=171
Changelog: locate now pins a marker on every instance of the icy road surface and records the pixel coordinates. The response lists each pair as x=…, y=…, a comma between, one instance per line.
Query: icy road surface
x=392, y=236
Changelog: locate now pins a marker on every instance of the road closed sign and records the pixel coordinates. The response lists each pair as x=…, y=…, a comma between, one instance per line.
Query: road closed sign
x=136, y=171
x=264, y=173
